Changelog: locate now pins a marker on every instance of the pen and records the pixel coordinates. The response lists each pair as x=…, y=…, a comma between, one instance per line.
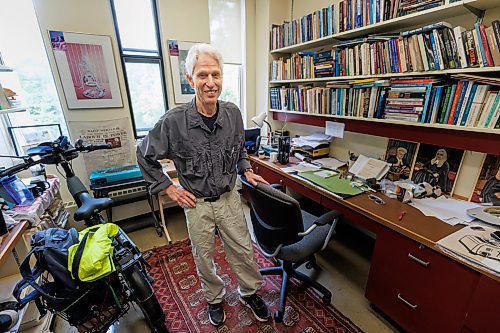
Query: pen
x=403, y=213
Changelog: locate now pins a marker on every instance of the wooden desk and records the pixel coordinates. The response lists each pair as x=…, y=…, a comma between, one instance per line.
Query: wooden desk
x=411, y=280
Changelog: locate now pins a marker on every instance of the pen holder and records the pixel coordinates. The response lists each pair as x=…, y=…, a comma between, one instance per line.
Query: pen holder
x=284, y=149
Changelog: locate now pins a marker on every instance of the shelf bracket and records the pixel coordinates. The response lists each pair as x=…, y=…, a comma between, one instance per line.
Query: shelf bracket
x=478, y=12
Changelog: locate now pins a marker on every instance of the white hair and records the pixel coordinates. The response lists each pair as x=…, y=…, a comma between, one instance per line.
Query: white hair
x=194, y=53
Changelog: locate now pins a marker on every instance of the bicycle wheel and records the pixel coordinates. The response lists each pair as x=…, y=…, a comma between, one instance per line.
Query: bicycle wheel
x=144, y=297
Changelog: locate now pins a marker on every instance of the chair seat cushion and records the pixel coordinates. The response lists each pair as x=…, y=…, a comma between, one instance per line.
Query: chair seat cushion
x=309, y=244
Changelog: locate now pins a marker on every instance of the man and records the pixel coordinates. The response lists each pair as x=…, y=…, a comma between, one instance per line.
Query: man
x=400, y=169
x=205, y=140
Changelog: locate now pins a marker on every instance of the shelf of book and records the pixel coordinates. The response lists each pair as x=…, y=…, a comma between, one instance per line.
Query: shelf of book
x=482, y=70
x=395, y=24
x=469, y=138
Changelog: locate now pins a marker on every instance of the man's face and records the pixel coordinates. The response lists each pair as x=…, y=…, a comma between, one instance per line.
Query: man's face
x=440, y=155
x=206, y=79
x=401, y=153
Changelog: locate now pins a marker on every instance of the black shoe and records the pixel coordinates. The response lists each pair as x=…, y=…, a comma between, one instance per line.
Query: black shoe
x=216, y=314
x=257, y=305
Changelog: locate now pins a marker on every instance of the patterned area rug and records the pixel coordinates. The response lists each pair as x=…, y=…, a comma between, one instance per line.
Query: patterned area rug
x=178, y=288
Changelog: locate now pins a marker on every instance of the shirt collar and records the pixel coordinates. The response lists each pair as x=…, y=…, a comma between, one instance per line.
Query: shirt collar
x=194, y=118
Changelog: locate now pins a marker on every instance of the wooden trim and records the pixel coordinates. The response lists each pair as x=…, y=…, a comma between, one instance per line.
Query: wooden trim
x=10, y=241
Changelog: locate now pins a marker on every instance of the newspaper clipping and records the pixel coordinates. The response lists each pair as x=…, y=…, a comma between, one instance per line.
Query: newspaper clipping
x=114, y=132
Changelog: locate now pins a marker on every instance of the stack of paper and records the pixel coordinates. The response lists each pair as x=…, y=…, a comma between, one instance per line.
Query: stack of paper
x=476, y=245
x=329, y=163
x=312, y=141
x=449, y=210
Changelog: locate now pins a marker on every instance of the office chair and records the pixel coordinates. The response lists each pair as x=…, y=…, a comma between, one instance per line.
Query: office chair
x=289, y=235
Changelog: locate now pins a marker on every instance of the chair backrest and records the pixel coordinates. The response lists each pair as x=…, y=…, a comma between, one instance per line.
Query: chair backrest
x=276, y=216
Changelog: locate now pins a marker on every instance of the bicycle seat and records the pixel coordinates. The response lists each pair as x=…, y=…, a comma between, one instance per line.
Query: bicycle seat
x=90, y=205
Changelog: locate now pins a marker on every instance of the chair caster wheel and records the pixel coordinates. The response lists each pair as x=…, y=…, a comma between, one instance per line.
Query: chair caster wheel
x=278, y=317
x=159, y=232
x=327, y=299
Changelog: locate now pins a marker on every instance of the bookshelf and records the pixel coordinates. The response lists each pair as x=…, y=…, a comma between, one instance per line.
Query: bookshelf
x=454, y=136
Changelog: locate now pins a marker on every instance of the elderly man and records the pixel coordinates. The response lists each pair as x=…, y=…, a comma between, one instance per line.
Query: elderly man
x=205, y=139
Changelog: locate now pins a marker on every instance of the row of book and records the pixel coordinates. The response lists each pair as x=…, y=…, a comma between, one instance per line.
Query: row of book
x=316, y=25
x=433, y=47
x=352, y=14
x=466, y=102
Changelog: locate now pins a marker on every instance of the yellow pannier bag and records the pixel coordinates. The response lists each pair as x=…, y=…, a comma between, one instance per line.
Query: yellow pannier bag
x=93, y=256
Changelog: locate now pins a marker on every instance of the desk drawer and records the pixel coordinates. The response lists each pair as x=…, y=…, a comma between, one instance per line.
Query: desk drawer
x=419, y=288
x=271, y=176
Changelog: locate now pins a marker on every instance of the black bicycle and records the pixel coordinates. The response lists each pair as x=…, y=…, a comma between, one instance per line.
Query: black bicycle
x=99, y=304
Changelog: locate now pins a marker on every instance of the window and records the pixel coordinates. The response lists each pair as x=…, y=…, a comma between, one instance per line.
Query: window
x=226, y=34
x=136, y=24
x=32, y=78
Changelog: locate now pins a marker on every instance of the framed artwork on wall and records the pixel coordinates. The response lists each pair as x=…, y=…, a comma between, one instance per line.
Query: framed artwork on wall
x=400, y=155
x=25, y=137
x=177, y=51
x=87, y=70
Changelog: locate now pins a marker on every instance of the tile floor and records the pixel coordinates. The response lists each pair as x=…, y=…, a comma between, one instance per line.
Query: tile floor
x=344, y=264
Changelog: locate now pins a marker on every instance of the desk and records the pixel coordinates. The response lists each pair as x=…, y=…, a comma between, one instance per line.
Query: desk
x=420, y=287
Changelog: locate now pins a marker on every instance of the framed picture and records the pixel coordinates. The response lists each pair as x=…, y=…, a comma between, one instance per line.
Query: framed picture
x=177, y=50
x=25, y=137
x=87, y=70
x=438, y=166
x=400, y=155
x=487, y=189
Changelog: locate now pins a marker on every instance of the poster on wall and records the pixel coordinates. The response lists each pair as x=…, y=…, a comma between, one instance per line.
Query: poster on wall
x=438, y=166
x=87, y=70
x=487, y=189
x=177, y=51
x=114, y=132
x=400, y=155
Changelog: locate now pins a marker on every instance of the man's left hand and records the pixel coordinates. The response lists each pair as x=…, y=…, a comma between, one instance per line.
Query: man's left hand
x=254, y=179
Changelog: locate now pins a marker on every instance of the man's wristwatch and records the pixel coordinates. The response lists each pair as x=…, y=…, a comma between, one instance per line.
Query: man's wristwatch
x=247, y=169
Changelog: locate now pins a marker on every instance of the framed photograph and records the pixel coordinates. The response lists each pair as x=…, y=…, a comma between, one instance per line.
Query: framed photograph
x=87, y=70
x=438, y=166
x=25, y=137
x=178, y=51
x=487, y=189
x=400, y=155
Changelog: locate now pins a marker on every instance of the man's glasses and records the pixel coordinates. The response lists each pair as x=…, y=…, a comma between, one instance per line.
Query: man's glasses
x=376, y=199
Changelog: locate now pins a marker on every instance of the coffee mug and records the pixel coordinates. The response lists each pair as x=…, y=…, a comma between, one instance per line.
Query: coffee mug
x=273, y=157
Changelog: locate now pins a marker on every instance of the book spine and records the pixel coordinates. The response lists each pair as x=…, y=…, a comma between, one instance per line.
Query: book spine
x=496, y=28
x=449, y=104
x=455, y=101
x=478, y=46
x=492, y=111
x=484, y=42
x=463, y=120
x=463, y=92
x=457, y=31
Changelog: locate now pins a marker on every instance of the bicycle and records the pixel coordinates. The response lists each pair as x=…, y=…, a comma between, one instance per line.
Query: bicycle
x=128, y=283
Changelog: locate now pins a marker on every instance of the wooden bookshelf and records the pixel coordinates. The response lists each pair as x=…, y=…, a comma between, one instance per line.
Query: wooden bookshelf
x=10, y=241
x=396, y=24
x=474, y=70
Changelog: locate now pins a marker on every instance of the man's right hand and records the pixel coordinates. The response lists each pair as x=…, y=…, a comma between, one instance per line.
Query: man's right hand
x=183, y=198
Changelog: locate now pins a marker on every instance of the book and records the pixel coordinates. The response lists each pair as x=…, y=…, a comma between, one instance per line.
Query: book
x=477, y=103
x=492, y=111
x=457, y=31
x=444, y=107
x=367, y=167
x=494, y=49
x=478, y=47
x=455, y=101
x=464, y=113
x=490, y=99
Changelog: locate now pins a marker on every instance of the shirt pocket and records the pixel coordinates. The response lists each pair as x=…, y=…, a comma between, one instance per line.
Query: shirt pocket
x=230, y=156
x=190, y=165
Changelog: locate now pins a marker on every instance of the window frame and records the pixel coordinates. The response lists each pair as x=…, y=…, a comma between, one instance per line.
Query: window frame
x=137, y=58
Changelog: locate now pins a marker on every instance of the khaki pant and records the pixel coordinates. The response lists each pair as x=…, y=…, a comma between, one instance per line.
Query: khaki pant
x=225, y=215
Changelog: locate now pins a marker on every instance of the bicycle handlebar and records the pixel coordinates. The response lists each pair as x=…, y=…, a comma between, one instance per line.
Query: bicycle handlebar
x=55, y=152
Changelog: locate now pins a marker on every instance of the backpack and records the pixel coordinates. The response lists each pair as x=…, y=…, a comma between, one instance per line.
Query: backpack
x=50, y=248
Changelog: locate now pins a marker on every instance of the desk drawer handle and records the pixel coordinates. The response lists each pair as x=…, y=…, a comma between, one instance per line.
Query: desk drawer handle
x=420, y=261
x=257, y=171
x=413, y=306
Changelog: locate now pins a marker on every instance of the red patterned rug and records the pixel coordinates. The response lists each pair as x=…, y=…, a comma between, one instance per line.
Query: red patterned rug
x=178, y=289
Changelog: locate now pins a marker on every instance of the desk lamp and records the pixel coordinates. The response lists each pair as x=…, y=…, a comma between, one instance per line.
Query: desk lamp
x=259, y=120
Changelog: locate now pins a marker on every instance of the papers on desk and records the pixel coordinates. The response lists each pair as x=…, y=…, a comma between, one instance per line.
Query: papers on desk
x=449, y=210
x=475, y=245
x=329, y=163
x=367, y=167
x=312, y=141
x=301, y=167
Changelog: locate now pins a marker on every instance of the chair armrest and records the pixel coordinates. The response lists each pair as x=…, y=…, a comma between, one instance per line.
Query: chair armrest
x=331, y=217
x=277, y=186
x=328, y=218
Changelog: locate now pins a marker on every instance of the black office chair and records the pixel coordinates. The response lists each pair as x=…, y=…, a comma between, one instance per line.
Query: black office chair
x=289, y=235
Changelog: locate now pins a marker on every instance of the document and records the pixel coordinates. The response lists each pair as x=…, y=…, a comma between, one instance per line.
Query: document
x=474, y=244
x=335, y=129
x=329, y=163
x=367, y=167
